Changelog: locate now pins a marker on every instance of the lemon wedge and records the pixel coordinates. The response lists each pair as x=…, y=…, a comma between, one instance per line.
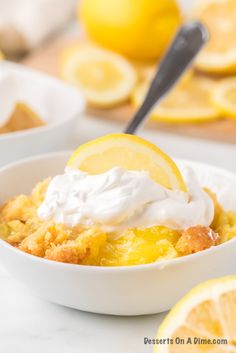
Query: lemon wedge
x=188, y=102
x=105, y=78
x=208, y=312
x=219, y=55
x=131, y=153
x=224, y=97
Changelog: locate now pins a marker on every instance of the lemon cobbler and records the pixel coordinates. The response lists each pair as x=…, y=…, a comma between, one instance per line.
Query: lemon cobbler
x=21, y=118
x=121, y=201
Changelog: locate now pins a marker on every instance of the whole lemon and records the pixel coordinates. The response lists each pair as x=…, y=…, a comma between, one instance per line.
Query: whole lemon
x=139, y=29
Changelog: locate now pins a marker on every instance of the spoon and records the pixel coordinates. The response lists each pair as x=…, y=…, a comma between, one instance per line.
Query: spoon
x=186, y=45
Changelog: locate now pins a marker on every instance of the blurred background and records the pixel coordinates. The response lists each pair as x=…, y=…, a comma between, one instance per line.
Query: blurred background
x=110, y=50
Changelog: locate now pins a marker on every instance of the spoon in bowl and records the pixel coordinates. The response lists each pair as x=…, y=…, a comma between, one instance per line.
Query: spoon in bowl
x=186, y=45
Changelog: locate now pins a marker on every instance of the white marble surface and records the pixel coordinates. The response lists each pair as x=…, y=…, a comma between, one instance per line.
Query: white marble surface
x=30, y=325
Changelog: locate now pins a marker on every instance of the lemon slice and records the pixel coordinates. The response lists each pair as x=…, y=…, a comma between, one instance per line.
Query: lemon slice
x=207, y=312
x=129, y=152
x=188, y=102
x=219, y=55
x=224, y=97
x=105, y=78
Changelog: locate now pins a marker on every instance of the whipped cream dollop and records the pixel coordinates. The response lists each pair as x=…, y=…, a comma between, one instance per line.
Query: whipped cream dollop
x=119, y=199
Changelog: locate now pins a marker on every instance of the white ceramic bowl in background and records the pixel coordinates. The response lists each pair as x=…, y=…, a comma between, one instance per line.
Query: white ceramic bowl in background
x=60, y=105
x=135, y=290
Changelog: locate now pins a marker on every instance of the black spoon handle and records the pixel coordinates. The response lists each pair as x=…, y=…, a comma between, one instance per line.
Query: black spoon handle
x=185, y=46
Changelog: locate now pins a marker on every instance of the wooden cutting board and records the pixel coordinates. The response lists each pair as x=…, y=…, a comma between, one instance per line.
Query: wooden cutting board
x=47, y=59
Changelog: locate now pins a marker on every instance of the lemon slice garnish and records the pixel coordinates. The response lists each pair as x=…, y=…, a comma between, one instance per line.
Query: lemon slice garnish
x=131, y=153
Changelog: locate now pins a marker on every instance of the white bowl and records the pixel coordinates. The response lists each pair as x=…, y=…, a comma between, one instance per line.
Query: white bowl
x=136, y=290
x=58, y=104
